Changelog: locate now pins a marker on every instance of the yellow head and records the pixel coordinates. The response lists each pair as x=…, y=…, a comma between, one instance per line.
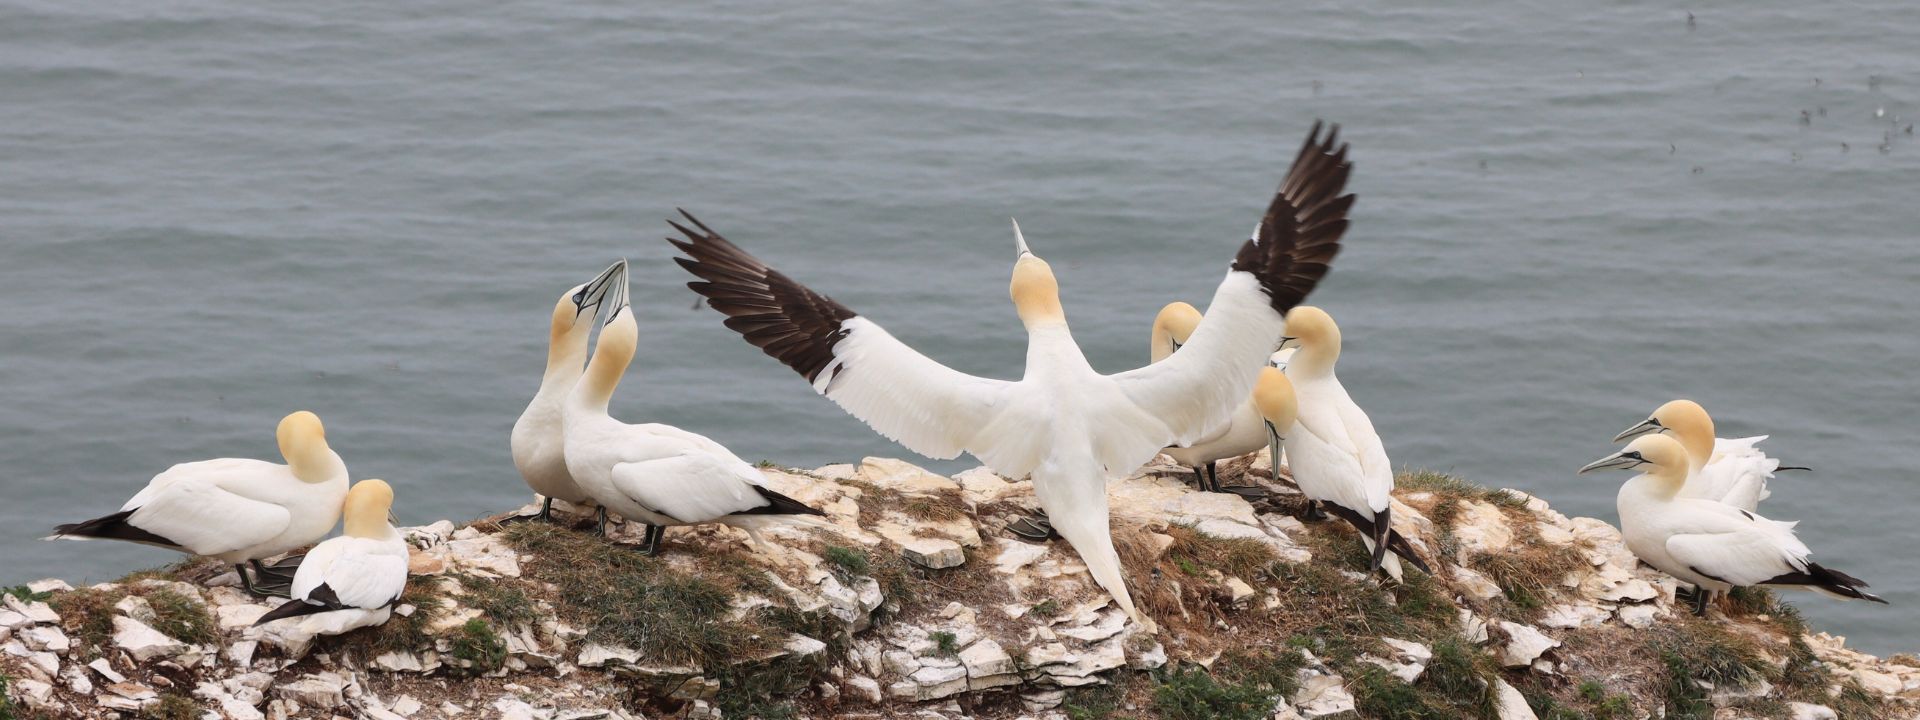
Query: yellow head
x=1036, y=294
x=1172, y=328
x=369, y=505
x=1660, y=457
x=1687, y=422
x=573, y=315
x=303, y=442
x=1318, y=337
x=1273, y=396
x=618, y=342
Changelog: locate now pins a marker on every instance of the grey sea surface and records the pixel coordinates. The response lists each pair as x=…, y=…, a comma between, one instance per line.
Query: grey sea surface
x=214, y=213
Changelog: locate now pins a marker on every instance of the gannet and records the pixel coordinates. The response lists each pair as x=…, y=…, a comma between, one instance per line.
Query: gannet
x=1065, y=425
x=537, y=440
x=351, y=581
x=658, y=474
x=1244, y=432
x=235, y=509
x=1714, y=546
x=1328, y=475
x=1331, y=416
x=1734, y=471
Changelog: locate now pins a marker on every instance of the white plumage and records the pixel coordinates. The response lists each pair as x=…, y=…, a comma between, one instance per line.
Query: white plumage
x=1335, y=443
x=1063, y=424
x=351, y=581
x=1245, y=430
x=1711, y=545
x=658, y=474
x=237, y=510
x=538, y=440
x=1730, y=471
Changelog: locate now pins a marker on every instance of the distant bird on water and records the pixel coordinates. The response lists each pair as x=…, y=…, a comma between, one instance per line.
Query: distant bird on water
x=237, y=510
x=1714, y=546
x=351, y=581
x=1065, y=425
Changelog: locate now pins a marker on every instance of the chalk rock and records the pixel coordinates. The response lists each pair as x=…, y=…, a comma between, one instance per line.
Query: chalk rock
x=142, y=642
x=1638, y=617
x=1810, y=711
x=1322, y=694
x=596, y=655
x=931, y=553
x=1509, y=704
x=1474, y=584
x=33, y=692
x=904, y=476
x=1481, y=527
x=49, y=639
x=1408, y=660
x=1575, y=615
x=317, y=690
x=866, y=689
x=1524, y=644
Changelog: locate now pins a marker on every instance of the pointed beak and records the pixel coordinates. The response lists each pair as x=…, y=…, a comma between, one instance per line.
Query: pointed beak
x=616, y=299
x=1274, y=441
x=1645, y=427
x=1617, y=461
x=1019, y=242
x=1280, y=358
x=595, y=292
x=1287, y=342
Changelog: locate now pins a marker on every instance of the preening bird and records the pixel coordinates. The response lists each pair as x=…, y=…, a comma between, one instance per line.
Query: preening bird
x=237, y=510
x=351, y=581
x=1244, y=432
x=1330, y=475
x=1714, y=546
x=1065, y=425
x=1734, y=471
x=1329, y=414
x=538, y=441
x=658, y=474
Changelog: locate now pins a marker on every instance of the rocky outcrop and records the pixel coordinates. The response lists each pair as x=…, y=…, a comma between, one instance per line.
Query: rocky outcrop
x=918, y=605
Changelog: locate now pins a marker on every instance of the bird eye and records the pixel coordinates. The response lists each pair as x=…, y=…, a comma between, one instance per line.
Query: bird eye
x=582, y=295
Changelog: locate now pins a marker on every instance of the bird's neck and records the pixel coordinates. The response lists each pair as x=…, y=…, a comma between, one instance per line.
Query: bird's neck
x=1662, y=484
x=1315, y=360
x=609, y=363
x=566, y=354
x=314, y=463
x=1161, y=345
x=1699, y=445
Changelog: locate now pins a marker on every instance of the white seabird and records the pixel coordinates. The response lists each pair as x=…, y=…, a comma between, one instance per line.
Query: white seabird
x=1714, y=546
x=537, y=441
x=351, y=581
x=1065, y=425
x=1733, y=471
x=1327, y=474
x=1244, y=432
x=235, y=509
x=658, y=474
x=1330, y=415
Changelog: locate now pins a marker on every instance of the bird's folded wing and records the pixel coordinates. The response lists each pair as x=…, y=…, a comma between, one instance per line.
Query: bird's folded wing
x=1196, y=389
x=1371, y=452
x=1326, y=472
x=207, y=520
x=368, y=580
x=691, y=488
x=1748, y=556
x=932, y=409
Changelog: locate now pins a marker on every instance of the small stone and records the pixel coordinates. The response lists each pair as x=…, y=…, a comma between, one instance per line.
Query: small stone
x=1239, y=591
x=48, y=639
x=865, y=688
x=237, y=617
x=1635, y=590
x=986, y=658
x=34, y=692
x=1638, y=617
x=319, y=690
x=142, y=642
x=1322, y=694
x=597, y=655
x=41, y=613
x=1474, y=584
x=936, y=682
x=932, y=553
x=1481, y=527
x=1525, y=644
x=1509, y=704
x=406, y=706
x=105, y=670
x=1015, y=555
x=49, y=585
x=1810, y=711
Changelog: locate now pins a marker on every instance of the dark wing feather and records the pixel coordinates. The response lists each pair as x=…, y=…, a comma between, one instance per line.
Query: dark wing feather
x=783, y=318
x=1299, y=235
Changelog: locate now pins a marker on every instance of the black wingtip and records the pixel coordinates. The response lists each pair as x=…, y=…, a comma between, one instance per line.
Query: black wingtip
x=778, y=504
x=290, y=608
x=113, y=527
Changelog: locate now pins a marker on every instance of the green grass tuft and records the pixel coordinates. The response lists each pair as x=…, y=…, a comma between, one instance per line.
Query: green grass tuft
x=1190, y=693
x=1048, y=608
x=945, y=644
x=846, y=561
x=26, y=594
x=181, y=617
x=478, y=648
x=172, y=706
x=504, y=602
x=1700, y=650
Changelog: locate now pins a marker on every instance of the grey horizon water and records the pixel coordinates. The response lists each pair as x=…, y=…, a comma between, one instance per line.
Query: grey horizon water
x=212, y=214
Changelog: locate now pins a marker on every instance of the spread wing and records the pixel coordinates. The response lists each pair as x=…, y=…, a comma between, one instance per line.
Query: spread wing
x=1196, y=389
x=932, y=409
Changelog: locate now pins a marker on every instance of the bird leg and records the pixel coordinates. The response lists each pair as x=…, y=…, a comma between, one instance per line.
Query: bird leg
x=1200, y=479
x=545, y=515
x=267, y=584
x=650, y=546
x=1250, y=492
x=1700, y=597
x=1314, y=513
x=601, y=528
x=1035, y=527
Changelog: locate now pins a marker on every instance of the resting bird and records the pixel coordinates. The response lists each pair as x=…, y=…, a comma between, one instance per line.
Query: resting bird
x=1734, y=472
x=1714, y=546
x=1328, y=475
x=657, y=474
x=351, y=581
x=1244, y=432
x=1065, y=425
x=537, y=441
x=239, y=511
x=1331, y=416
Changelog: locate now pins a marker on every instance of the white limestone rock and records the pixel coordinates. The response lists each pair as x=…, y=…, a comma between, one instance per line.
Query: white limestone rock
x=142, y=642
x=1524, y=644
x=1509, y=704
